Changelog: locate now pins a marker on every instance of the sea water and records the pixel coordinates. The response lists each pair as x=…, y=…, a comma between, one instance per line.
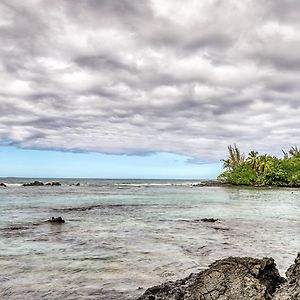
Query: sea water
x=123, y=236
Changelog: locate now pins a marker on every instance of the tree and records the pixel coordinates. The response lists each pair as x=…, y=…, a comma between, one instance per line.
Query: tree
x=234, y=159
x=294, y=152
x=264, y=164
x=262, y=170
x=253, y=159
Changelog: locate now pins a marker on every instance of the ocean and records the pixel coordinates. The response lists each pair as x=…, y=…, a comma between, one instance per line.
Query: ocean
x=123, y=236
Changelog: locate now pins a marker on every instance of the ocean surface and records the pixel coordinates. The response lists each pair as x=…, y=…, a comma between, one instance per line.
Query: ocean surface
x=123, y=236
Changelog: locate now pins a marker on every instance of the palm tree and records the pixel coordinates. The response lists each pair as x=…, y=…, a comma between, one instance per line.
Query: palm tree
x=285, y=154
x=264, y=164
x=253, y=159
x=295, y=152
x=234, y=159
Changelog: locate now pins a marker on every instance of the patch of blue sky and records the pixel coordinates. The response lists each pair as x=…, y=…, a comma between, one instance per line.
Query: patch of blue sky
x=16, y=162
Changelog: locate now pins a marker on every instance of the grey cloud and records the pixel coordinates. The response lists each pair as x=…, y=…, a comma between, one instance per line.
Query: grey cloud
x=104, y=63
x=284, y=10
x=283, y=57
x=138, y=77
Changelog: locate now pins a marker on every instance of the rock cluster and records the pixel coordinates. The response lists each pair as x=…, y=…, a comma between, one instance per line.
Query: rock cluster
x=34, y=183
x=53, y=183
x=39, y=183
x=233, y=278
x=209, y=183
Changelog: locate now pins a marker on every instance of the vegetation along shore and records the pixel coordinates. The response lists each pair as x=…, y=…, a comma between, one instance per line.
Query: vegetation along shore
x=261, y=170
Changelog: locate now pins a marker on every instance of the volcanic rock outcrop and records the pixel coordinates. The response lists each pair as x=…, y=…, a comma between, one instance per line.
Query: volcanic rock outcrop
x=233, y=278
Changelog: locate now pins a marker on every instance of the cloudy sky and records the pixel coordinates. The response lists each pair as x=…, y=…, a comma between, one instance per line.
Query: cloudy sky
x=139, y=79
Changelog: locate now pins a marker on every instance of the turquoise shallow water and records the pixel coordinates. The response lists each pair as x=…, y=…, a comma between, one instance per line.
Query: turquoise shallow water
x=123, y=236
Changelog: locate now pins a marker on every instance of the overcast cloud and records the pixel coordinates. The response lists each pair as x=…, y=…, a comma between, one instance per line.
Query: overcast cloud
x=135, y=77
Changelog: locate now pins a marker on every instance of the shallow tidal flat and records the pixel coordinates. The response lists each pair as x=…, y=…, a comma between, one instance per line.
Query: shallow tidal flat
x=121, y=238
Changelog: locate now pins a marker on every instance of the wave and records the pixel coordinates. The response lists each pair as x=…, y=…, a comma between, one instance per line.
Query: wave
x=12, y=184
x=97, y=206
x=157, y=184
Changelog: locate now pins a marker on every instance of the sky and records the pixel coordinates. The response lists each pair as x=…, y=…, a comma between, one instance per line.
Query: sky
x=145, y=88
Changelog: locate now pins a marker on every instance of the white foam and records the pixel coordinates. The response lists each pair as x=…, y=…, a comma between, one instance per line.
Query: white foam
x=12, y=184
x=156, y=184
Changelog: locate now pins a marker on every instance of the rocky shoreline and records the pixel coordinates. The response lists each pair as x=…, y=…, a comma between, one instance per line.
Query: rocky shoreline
x=37, y=183
x=204, y=183
x=233, y=278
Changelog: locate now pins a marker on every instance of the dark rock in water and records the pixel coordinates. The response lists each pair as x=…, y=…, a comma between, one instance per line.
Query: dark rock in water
x=210, y=220
x=54, y=183
x=3, y=184
x=58, y=220
x=290, y=290
x=34, y=183
x=209, y=183
x=78, y=184
x=233, y=278
x=39, y=183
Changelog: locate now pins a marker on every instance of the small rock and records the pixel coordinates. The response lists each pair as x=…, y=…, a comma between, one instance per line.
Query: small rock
x=78, y=184
x=3, y=184
x=209, y=220
x=58, y=220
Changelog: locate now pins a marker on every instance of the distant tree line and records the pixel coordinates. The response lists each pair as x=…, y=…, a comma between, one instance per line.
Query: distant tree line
x=261, y=170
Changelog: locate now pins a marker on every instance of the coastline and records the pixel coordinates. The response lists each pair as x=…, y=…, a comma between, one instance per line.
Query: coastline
x=15, y=181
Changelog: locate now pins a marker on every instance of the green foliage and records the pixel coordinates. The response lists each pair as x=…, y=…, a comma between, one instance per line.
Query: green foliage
x=262, y=170
x=243, y=175
x=235, y=159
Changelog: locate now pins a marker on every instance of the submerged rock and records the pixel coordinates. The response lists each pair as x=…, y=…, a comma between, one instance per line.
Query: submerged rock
x=233, y=278
x=11, y=228
x=58, y=220
x=34, y=183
